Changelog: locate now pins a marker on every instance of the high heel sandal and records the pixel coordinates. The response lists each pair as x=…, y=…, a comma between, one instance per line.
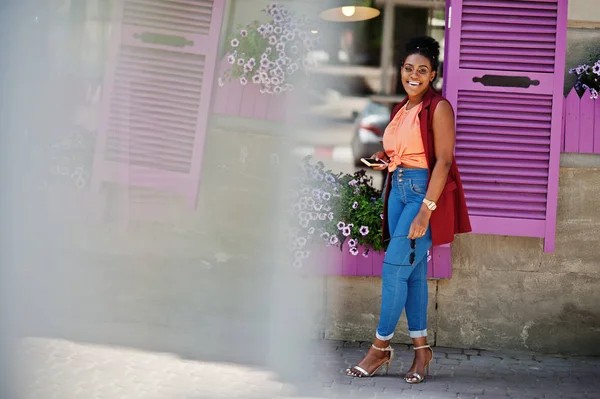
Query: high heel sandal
x=363, y=373
x=409, y=377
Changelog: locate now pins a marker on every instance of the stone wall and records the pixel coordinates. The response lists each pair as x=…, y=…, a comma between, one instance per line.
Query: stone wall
x=505, y=292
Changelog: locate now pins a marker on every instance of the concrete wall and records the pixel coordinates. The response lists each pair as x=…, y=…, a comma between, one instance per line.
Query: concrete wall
x=505, y=292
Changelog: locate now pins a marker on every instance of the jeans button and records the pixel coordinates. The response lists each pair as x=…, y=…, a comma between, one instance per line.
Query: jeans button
x=399, y=180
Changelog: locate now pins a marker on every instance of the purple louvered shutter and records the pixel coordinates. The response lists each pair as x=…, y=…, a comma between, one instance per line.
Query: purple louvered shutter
x=157, y=92
x=506, y=64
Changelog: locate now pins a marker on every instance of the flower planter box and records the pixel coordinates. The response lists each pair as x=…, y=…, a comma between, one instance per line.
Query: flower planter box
x=581, y=124
x=247, y=101
x=333, y=262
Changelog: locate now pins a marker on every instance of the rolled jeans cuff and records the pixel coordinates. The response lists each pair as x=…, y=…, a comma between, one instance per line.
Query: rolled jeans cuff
x=383, y=337
x=418, y=334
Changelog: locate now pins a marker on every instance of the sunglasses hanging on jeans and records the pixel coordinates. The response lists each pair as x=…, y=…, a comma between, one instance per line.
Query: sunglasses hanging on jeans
x=411, y=256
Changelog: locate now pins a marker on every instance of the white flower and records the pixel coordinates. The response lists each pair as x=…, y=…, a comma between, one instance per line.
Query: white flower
x=243, y=33
x=231, y=59
x=235, y=43
x=243, y=81
x=241, y=61
x=221, y=83
x=256, y=79
x=278, y=30
x=272, y=40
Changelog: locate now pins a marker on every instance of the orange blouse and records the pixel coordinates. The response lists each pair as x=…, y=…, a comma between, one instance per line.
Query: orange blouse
x=402, y=140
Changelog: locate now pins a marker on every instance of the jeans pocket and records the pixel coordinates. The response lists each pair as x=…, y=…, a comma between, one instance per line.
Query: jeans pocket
x=418, y=187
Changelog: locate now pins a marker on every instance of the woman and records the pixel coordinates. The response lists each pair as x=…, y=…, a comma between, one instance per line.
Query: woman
x=424, y=205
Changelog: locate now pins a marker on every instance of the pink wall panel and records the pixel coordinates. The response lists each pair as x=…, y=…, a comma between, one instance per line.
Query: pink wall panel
x=597, y=127
x=572, y=122
x=586, y=125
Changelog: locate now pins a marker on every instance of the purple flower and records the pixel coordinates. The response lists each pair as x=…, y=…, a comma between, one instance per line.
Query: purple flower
x=354, y=251
x=262, y=30
x=341, y=225
x=346, y=231
x=364, y=230
x=594, y=94
x=381, y=216
x=596, y=68
x=252, y=62
x=352, y=242
x=352, y=182
x=355, y=205
x=243, y=33
x=333, y=240
x=365, y=254
x=351, y=225
x=235, y=43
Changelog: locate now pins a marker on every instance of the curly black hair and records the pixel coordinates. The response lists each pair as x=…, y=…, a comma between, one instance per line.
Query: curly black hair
x=426, y=46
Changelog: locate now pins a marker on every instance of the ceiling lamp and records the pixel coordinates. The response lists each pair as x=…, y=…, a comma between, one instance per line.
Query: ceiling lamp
x=349, y=13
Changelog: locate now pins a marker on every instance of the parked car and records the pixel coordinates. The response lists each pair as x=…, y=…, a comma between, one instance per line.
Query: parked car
x=368, y=131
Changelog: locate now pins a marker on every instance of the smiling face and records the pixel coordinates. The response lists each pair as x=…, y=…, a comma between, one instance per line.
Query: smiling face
x=416, y=74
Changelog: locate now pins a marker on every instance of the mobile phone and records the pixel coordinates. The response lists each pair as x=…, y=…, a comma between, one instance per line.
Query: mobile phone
x=373, y=162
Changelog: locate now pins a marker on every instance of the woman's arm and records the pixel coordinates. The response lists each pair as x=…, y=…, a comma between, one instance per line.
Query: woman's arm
x=444, y=137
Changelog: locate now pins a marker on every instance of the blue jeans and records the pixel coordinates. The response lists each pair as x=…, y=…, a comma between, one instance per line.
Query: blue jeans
x=404, y=286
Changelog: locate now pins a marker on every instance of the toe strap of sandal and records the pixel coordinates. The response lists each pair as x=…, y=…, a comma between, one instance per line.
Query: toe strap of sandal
x=412, y=375
x=362, y=371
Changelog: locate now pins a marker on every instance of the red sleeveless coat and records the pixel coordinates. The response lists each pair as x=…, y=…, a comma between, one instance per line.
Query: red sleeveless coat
x=451, y=216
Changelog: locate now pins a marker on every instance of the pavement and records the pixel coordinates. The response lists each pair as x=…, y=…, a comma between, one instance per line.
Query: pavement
x=55, y=368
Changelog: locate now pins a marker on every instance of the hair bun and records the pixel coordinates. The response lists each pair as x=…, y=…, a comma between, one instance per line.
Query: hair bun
x=424, y=44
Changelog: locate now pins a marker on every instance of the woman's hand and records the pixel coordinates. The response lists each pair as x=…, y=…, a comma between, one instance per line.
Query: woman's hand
x=419, y=225
x=379, y=156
